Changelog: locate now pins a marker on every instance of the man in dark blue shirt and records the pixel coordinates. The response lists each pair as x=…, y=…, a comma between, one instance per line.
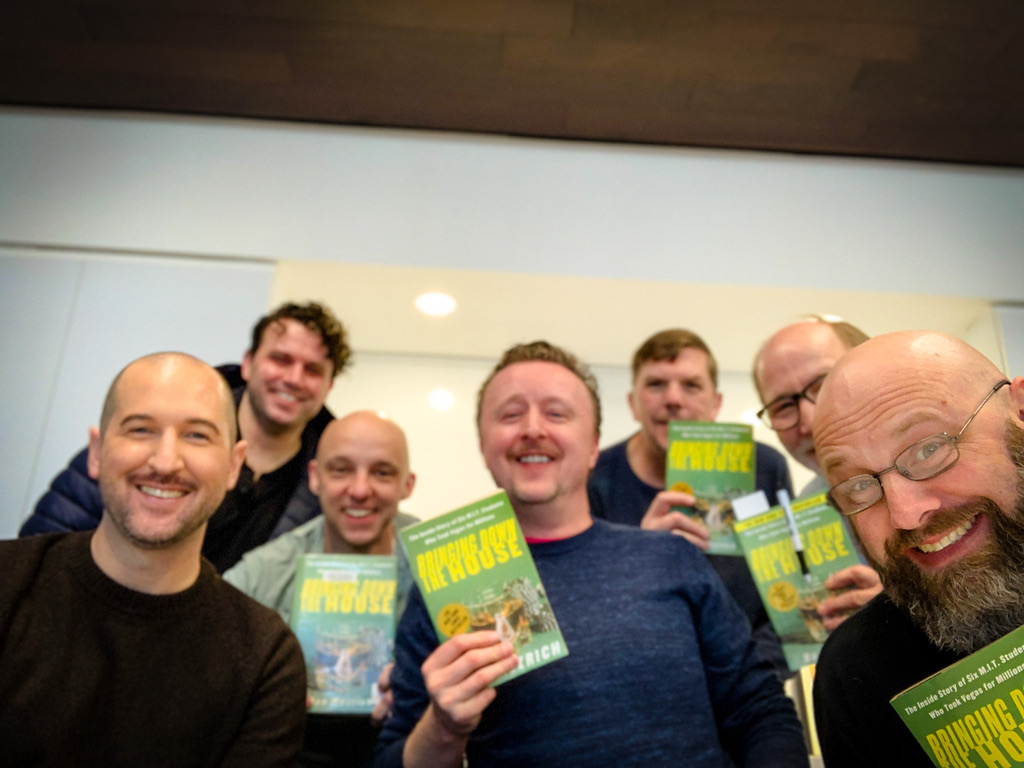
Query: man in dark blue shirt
x=675, y=378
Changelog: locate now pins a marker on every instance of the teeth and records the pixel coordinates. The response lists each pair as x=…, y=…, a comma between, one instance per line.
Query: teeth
x=161, y=493
x=534, y=459
x=358, y=513
x=949, y=538
x=287, y=396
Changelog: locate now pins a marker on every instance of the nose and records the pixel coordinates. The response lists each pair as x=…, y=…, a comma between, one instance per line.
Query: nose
x=909, y=501
x=674, y=394
x=359, y=487
x=292, y=374
x=533, y=423
x=806, y=415
x=166, y=456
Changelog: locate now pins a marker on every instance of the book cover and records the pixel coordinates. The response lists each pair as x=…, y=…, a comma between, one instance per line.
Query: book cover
x=716, y=463
x=474, y=571
x=343, y=614
x=972, y=712
x=790, y=597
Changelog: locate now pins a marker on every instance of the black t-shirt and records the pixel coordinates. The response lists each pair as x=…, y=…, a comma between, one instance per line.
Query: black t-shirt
x=250, y=511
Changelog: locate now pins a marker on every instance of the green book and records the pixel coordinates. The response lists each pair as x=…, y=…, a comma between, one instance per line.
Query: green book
x=343, y=614
x=474, y=571
x=790, y=597
x=972, y=712
x=716, y=463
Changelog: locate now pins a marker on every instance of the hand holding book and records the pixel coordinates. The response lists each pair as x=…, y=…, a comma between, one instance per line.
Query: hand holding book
x=851, y=590
x=664, y=515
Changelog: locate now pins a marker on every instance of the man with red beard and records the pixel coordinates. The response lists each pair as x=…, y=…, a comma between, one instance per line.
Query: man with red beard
x=920, y=437
x=122, y=646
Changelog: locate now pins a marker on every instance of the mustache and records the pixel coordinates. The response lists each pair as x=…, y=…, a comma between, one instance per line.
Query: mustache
x=155, y=478
x=942, y=521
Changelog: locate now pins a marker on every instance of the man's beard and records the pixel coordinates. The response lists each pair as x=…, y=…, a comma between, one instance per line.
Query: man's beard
x=978, y=599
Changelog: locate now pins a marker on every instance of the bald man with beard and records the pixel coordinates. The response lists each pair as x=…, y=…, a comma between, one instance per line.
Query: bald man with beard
x=920, y=438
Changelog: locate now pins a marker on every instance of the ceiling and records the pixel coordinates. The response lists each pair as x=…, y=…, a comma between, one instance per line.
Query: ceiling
x=935, y=80
x=601, y=320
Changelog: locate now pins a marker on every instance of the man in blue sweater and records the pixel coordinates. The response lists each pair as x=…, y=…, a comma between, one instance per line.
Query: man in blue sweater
x=661, y=668
x=675, y=377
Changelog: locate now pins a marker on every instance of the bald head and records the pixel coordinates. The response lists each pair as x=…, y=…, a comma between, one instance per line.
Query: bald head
x=166, y=366
x=360, y=474
x=809, y=342
x=789, y=369
x=369, y=423
x=897, y=379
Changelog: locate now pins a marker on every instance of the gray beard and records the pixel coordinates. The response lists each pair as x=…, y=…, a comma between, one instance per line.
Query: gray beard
x=979, y=599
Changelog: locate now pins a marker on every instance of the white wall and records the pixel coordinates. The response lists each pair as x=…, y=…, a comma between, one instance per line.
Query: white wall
x=1011, y=326
x=72, y=321
x=284, y=191
x=156, y=186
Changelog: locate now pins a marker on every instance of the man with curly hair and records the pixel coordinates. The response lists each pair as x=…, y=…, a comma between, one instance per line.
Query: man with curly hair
x=279, y=389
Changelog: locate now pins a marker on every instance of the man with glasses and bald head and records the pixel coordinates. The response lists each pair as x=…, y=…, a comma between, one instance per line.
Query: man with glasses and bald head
x=789, y=371
x=920, y=438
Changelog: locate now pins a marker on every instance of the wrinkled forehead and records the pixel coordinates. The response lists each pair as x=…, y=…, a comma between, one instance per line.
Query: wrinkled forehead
x=865, y=421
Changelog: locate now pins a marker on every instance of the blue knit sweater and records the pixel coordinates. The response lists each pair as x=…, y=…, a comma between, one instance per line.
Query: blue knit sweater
x=661, y=669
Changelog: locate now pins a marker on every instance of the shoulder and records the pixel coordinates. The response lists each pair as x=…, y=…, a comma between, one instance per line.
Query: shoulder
x=612, y=457
x=267, y=561
x=766, y=455
x=404, y=519
x=877, y=646
x=241, y=616
x=290, y=544
x=72, y=502
x=24, y=558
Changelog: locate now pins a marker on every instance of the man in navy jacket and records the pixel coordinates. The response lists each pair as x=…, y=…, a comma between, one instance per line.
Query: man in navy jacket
x=279, y=390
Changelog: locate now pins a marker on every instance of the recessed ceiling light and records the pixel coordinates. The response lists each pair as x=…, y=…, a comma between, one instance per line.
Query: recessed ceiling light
x=435, y=304
x=441, y=399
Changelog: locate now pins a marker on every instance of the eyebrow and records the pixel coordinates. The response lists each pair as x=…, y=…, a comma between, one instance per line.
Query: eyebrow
x=902, y=428
x=791, y=395
x=193, y=422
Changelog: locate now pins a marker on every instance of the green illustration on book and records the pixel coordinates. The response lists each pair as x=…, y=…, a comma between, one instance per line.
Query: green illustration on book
x=791, y=588
x=475, y=572
x=344, y=617
x=716, y=463
x=972, y=712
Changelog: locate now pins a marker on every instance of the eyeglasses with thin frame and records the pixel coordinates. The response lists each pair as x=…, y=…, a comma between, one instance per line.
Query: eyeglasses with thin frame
x=921, y=461
x=784, y=412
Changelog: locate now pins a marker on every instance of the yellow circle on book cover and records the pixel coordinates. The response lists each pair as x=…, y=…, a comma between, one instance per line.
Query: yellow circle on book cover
x=453, y=619
x=783, y=596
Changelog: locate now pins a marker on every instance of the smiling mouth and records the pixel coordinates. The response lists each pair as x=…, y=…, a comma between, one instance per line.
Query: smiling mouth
x=950, y=538
x=161, y=493
x=359, y=514
x=534, y=458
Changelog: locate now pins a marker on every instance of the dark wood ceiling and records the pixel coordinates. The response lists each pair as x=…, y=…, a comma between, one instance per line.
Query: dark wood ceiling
x=918, y=79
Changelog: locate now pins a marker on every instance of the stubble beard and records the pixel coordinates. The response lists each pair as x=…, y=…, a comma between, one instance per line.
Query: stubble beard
x=978, y=599
x=124, y=518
